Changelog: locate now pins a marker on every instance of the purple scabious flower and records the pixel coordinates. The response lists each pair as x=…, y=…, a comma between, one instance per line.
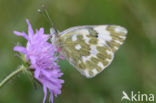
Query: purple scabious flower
x=43, y=60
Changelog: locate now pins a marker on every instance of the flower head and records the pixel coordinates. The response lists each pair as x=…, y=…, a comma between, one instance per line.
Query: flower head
x=43, y=60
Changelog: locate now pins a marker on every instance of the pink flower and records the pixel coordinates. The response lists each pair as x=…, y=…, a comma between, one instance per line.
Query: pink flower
x=42, y=56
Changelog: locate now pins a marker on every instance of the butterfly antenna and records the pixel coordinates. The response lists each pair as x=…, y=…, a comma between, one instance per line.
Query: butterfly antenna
x=45, y=13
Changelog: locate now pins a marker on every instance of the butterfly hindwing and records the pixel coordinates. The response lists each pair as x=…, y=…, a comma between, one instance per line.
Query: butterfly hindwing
x=90, y=49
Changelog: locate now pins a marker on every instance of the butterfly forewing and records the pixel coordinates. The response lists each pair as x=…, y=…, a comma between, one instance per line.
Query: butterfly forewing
x=90, y=49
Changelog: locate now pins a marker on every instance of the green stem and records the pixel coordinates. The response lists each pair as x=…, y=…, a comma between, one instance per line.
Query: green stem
x=11, y=75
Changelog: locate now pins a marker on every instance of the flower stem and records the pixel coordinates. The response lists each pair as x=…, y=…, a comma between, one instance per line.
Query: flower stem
x=11, y=75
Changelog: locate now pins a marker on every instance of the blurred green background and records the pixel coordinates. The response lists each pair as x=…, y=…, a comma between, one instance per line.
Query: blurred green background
x=134, y=65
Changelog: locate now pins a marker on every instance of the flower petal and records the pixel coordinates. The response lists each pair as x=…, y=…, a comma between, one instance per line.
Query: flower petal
x=45, y=93
x=41, y=30
x=43, y=60
x=30, y=30
x=37, y=73
x=21, y=34
x=20, y=49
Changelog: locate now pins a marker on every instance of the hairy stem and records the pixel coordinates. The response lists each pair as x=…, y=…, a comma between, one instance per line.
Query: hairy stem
x=11, y=75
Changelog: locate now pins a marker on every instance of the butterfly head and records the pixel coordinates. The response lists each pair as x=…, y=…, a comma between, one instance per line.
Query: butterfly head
x=54, y=34
x=53, y=31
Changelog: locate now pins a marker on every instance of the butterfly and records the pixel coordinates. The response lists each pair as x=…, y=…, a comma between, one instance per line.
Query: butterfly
x=90, y=49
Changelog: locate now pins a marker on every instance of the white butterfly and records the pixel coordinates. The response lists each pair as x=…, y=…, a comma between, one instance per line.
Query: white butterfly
x=90, y=49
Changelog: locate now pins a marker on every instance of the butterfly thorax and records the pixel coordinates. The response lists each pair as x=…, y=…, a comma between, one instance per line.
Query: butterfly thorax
x=55, y=38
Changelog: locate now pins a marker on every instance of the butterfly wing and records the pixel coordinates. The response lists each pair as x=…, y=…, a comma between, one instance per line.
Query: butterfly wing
x=90, y=49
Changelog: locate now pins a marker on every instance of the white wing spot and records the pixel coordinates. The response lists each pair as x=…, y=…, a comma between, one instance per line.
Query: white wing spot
x=109, y=52
x=93, y=50
x=115, y=47
x=86, y=73
x=84, y=58
x=123, y=37
x=117, y=41
x=120, y=30
x=101, y=65
x=101, y=42
x=94, y=71
x=109, y=60
x=78, y=46
x=74, y=37
x=93, y=53
x=88, y=57
x=103, y=35
x=86, y=39
x=83, y=31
